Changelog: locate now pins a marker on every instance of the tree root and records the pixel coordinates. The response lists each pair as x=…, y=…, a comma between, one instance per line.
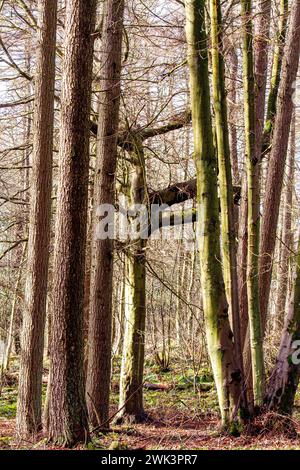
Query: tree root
x=131, y=418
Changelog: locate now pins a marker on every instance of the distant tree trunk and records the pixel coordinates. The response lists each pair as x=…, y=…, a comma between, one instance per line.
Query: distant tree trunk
x=32, y=343
x=131, y=379
x=229, y=258
x=219, y=336
x=14, y=309
x=120, y=314
x=100, y=320
x=284, y=378
x=252, y=164
x=242, y=260
x=287, y=236
x=67, y=408
x=232, y=96
x=276, y=71
x=261, y=47
x=278, y=157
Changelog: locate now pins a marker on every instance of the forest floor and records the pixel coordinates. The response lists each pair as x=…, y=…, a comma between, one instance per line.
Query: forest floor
x=184, y=416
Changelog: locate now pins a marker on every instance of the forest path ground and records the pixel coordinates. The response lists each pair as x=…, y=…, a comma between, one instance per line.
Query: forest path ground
x=174, y=432
x=184, y=416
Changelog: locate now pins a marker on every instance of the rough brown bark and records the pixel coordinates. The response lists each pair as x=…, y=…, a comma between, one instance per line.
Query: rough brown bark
x=67, y=409
x=287, y=236
x=31, y=366
x=100, y=320
x=261, y=47
x=278, y=157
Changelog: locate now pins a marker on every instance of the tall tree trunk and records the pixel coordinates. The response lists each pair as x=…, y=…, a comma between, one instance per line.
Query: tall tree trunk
x=287, y=236
x=100, y=320
x=229, y=258
x=32, y=343
x=219, y=336
x=278, y=157
x=67, y=408
x=131, y=379
x=252, y=164
x=284, y=378
x=261, y=45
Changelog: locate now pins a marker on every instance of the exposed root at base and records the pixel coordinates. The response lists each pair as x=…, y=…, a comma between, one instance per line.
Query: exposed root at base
x=130, y=419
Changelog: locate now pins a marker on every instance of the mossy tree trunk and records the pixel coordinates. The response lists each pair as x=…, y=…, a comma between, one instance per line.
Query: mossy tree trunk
x=229, y=253
x=261, y=46
x=219, y=336
x=276, y=71
x=131, y=379
x=252, y=164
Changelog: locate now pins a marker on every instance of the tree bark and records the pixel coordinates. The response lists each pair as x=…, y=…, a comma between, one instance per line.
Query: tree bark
x=284, y=378
x=67, y=408
x=287, y=236
x=219, y=336
x=229, y=255
x=252, y=164
x=278, y=157
x=276, y=72
x=32, y=343
x=100, y=320
x=131, y=379
x=261, y=45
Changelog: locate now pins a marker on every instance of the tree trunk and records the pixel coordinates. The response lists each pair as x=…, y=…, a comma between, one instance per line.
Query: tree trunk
x=100, y=320
x=67, y=408
x=285, y=376
x=276, y=71
x=287, y=236
x=278, y=157
x=252, y=164
x=14, y=308
x=131, y=379
x=32, y=343
x=219, y=336
x=261, y=45
x=229, y=258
